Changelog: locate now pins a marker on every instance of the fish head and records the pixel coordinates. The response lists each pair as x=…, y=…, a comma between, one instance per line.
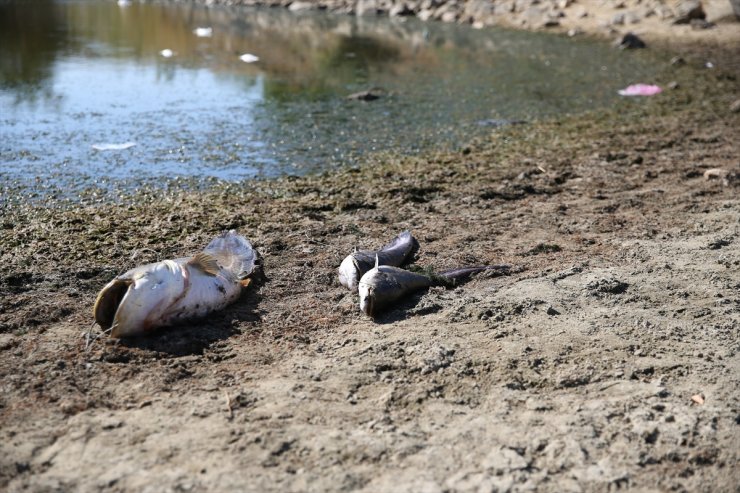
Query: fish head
x=366, y=290
x=138, y=302
x=349, y=273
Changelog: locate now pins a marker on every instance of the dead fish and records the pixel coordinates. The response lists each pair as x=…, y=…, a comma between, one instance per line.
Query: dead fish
x=163, y=293
x=358, y=263
x=383, y=285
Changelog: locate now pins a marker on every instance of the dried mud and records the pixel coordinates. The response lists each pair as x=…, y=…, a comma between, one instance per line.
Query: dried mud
x=608, y=361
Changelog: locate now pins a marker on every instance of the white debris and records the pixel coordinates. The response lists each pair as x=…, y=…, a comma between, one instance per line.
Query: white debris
x=167, y=53
x=113, y=147
x=203, y=32
x=249, y=58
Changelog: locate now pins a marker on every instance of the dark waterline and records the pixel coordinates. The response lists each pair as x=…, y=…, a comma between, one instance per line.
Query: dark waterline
x=77, y=74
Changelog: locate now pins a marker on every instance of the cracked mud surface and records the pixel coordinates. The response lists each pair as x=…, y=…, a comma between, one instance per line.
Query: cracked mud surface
x=610, y=361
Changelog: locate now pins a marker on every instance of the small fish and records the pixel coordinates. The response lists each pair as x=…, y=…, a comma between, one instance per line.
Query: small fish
x=354, y=266
x=163, y=293
x=383, y=285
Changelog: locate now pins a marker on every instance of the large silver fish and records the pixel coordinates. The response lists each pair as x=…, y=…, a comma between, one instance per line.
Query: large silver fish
x=163, y=293
x=384, y=285
x=355, y=265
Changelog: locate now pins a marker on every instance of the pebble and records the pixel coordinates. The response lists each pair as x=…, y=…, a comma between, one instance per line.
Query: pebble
x=631, y=41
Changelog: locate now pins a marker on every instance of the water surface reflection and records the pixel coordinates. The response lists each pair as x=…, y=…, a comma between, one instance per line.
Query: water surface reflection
x=75, y=73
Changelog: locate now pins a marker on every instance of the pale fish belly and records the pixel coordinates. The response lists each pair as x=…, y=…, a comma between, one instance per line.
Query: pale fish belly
x=202, y=294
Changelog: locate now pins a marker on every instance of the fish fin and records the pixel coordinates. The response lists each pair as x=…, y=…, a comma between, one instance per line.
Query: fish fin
x=245, y=282
x=205, y=262
x=234, y=252
x=377, y=261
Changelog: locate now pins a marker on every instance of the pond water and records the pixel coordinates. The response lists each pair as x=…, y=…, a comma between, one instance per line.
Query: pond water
x=78, y=74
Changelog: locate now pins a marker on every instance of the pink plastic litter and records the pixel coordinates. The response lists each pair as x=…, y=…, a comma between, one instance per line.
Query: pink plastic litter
x=640, y=90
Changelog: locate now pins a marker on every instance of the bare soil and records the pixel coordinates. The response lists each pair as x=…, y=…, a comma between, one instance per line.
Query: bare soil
x=608, y=361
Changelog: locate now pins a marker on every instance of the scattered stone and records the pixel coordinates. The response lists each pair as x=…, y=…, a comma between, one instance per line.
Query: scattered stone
x=736, y=8
x=400, y=10
x=607, y=286
x=538, y=18
x=686, y=10
x=735, y=106
x=581, y=13
x=699, y=24
x=543, y=248
x=437, y=359
x=504, y=460
x=617, y=19
x=719, y=243
x=425, y=14
x=725, y=175
x=366, y=8
x=368, y=95
x=499, y=122
x=673, y=85
x=630, y=41
x=300, y=5
x=677, y=60
x=698, y=399
x=575, y=32
x=552, y=311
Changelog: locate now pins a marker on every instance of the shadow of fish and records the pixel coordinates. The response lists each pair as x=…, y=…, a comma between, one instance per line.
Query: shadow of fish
x=383, y=285
x=395, y=253
x=163, y=293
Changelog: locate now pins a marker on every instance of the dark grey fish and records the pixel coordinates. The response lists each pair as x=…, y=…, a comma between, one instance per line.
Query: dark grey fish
x=384, y=285
x=394, y=253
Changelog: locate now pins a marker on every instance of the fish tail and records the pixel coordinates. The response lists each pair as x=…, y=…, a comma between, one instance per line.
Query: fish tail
x=462, y=274
x=406, y=238
x=234, y=252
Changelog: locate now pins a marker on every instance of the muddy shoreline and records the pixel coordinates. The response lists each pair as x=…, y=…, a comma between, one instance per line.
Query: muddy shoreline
x=610, y=361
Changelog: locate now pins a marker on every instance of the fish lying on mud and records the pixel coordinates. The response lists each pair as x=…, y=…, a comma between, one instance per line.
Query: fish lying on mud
x=383, y=285
x=395, y=253
x=163, y=293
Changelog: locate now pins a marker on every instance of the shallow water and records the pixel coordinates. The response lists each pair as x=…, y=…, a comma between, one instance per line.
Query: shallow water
x=75, y=74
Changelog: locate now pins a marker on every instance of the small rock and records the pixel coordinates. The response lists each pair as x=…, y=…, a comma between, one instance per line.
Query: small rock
x=552, y=311
x=677, y=60
x=632, y=18
x=300, y=5
x=449, y=16
x=735, y=106
x=617, y=20
x=716, y=174
x=686, y=10
x=400, y=10
x=673, y=85
x=369, y=95
x=699, y=24
x=575, y=32
x=504, y=460
x=366, y=8
x=425, y=14
x=607, y=286
x=736, y=8
x=726, y=176
x=630, y=41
